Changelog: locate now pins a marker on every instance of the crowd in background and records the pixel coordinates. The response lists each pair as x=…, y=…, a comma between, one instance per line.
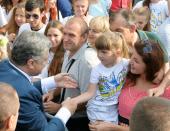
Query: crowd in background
x=80, y=65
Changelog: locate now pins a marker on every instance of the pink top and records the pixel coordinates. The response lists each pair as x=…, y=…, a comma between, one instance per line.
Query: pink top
x=128, y=98
x=118, y=4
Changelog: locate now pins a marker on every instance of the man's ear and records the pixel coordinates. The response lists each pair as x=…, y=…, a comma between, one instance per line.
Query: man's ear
x=133, y=28
x=10, y=123
x=84, y=37
x=30, y=63
x=42, y=14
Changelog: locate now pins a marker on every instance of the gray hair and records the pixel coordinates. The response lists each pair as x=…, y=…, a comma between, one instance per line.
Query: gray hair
x=128, y=15
x=29, y=45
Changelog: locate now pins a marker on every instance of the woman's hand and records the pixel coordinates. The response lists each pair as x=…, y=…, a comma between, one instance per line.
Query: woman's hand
x=106, y=126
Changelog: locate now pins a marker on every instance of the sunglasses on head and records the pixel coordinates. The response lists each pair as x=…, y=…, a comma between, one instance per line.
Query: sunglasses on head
x=147, y=46
x=35, y=16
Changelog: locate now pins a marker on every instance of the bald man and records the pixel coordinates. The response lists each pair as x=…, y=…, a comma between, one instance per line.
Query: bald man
x=9, y=107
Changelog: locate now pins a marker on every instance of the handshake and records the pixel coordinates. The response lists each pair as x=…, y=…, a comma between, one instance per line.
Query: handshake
x=70, y=105
x=63, y=80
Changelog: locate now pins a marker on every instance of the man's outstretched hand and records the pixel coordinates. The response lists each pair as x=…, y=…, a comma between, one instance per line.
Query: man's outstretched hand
x=65, y=80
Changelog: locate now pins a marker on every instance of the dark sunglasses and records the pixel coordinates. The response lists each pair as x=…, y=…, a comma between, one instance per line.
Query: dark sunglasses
x=35, y=16
x=147, y=46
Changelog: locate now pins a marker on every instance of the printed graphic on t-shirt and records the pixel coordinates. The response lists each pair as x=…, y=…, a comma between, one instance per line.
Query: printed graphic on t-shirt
x=110, y=86
x=156, y=19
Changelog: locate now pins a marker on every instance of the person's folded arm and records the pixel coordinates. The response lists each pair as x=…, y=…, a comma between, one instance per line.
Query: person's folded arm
x=161, y=88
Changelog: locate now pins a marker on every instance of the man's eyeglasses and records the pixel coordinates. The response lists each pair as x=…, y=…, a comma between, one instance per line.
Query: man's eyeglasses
x=147, y=46
x=35, y=16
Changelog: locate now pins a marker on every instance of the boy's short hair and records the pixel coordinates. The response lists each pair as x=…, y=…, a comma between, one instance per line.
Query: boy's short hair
x=33, y=4
x=151, y=114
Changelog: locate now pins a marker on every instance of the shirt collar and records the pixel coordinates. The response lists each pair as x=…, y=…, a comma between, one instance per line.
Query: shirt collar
x=25, y=74
x=79, y=52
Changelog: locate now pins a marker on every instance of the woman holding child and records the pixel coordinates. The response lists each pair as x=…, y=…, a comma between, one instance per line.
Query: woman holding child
x=146, y=60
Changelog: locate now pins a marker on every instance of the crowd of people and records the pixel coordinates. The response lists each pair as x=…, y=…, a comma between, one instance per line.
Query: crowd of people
x=84, y=65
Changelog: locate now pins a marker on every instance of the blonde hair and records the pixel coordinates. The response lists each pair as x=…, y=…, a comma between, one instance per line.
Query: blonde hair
x=3, y=47
x=100, y=23
x=73, y=5
x=112, y=41
x=143, y=11
x=73, y=1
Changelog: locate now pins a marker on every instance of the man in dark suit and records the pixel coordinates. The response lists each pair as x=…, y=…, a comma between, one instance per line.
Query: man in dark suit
x=28, y=57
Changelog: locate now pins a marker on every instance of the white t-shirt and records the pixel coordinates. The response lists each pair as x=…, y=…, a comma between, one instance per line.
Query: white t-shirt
x=159, y=12
x=3, y=17
x=110, y=82
x=100, y=8
x=44, y=72
x=91, y=56
x=27, y=27
x=164, y=33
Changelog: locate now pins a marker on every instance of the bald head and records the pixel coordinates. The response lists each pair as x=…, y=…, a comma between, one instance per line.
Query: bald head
x=9, y=103
x=75, y=34
x=81, y=24
x=151, y=114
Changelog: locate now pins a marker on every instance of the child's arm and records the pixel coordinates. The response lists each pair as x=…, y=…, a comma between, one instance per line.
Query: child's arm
x=87, y=95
